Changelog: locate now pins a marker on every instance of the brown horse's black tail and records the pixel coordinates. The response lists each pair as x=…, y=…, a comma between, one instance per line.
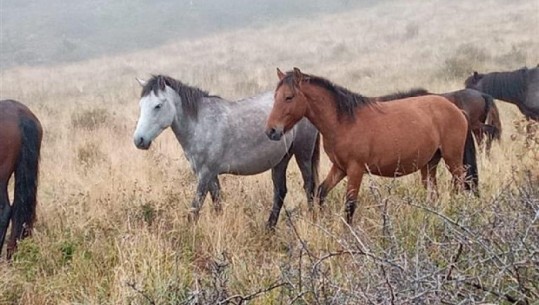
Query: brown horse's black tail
x=493, y=127
x=315, y=164
x=470, y=162
x=26, y=179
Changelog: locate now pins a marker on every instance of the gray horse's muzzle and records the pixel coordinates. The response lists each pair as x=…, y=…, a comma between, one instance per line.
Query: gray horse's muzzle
x=142, y=143
x=274, y=134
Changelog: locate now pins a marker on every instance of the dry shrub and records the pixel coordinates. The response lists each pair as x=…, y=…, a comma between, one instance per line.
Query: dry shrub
x=90, y=119
x=465, y=59
x=89, y=154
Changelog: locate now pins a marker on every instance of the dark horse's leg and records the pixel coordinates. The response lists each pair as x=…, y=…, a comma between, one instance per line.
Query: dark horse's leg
x=215, y=193
x=203, y=187
x=278, y=175
x=307, y=158
x=5, y=213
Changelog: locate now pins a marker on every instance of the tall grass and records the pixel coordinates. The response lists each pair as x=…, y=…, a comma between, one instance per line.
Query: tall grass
x=112, y=220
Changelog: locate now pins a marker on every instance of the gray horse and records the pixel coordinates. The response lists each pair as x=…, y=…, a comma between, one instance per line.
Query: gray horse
x=519, y=87
x=223, y=137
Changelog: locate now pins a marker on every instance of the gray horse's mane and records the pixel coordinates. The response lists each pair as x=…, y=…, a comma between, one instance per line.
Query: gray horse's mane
x=189, y=95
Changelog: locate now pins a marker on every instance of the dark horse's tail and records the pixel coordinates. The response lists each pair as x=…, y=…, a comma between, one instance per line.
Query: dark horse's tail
x=26, y=179
x=470, y=162
x=493, y=127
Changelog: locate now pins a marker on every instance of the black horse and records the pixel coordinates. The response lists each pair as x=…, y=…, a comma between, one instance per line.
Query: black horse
x=519, y=87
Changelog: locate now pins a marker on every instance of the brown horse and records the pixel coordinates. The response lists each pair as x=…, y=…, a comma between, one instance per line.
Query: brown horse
x=479, y=107
x=519, y=87
x=20, y=138
x=364, y=136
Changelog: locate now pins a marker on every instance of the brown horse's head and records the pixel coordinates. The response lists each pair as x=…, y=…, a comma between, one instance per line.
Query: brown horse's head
x=473, y=80
x=289, y=106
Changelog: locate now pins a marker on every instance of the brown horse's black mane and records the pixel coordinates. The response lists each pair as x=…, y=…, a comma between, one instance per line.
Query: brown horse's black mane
x=403, y=94
x=189, y=95
x=346, y=101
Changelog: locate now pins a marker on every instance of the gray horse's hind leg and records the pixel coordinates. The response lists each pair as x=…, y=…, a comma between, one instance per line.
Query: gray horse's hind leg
x=203, y=187
x=215, y=193
x=278, y=175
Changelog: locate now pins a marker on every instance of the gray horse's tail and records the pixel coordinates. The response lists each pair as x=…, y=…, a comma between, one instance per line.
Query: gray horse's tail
x=315, y=164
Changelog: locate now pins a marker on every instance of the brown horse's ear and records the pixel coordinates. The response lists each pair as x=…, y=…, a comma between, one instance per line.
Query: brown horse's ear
x=475, y=73
x=280, y=74
x=298, y=76
x=141, y=82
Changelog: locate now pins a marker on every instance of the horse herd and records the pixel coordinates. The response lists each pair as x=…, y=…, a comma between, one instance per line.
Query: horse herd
x=389, y=136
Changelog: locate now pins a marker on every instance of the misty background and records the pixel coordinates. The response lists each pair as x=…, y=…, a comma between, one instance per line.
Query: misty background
x=46, y=32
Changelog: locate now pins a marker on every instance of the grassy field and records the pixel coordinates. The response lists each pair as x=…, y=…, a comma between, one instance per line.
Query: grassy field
x=112, y=220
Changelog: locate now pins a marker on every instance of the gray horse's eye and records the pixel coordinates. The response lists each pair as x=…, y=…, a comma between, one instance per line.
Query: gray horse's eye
x=157, y=107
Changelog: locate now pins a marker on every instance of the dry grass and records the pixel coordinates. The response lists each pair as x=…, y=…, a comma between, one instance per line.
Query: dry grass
x=112, y=223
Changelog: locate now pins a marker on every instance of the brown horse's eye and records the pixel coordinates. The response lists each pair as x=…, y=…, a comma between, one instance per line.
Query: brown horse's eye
x=289, y=98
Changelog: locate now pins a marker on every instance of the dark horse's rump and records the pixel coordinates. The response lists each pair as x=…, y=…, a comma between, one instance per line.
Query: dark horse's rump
x=20, y=128
x=478, y=107
x=520, y=87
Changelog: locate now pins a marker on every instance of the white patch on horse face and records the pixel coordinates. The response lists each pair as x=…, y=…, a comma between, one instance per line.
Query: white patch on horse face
x=157, y=112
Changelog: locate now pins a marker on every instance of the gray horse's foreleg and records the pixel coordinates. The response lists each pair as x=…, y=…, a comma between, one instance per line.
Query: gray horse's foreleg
x=203, y=187
x=215, y=193
x=309, y=184
x=278, y=175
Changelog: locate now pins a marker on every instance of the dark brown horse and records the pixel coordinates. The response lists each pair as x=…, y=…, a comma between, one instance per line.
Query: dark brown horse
x=519, y=87
x=479, y=107
x=20, y=144
x=385, y=139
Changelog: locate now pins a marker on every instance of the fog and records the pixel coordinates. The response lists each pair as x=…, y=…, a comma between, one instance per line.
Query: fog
x=45, y=32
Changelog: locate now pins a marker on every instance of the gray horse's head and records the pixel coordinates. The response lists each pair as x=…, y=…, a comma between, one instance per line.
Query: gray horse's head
x=157, y=111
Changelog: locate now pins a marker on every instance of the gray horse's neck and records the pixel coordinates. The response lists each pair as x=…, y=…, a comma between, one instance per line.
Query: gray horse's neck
x=183, y=126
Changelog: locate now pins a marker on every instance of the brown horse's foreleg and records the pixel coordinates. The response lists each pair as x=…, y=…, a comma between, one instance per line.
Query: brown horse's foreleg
x=334, y=176
x=355, y=175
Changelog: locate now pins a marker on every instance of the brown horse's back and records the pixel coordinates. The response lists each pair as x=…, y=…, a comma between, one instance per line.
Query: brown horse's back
x=10, y=137
x=410, y=130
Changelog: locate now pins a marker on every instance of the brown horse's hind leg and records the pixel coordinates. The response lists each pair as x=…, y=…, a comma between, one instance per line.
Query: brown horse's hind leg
x=428, y=176
x=5, y=213
x=355, y=175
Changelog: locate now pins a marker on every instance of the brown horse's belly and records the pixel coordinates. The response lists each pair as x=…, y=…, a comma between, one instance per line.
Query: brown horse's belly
x=404, y=168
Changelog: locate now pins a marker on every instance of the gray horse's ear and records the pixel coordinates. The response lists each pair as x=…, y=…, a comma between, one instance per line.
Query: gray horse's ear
x=141, y=82
x=280, y=74
x=298, y=76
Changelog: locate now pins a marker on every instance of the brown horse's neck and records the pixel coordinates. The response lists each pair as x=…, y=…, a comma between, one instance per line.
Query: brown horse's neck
x=321, y=110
